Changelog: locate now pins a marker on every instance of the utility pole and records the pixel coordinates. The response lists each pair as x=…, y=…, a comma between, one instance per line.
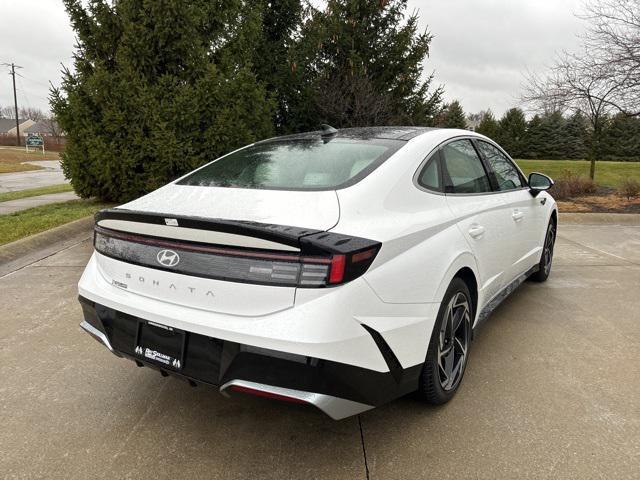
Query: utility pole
x=15, y=98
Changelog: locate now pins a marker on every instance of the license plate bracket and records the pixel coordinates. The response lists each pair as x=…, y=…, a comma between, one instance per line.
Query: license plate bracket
x=160, y=344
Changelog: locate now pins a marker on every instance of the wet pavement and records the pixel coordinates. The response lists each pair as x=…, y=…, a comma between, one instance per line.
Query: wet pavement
x=552, y=390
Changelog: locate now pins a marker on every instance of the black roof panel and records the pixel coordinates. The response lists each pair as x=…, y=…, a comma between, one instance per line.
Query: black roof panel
x=391, y=133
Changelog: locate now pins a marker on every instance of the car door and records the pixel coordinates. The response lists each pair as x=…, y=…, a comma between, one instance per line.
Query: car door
x=521, y=212
x=478, y=210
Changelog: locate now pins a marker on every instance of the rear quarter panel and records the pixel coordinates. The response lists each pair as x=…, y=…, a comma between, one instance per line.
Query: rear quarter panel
x=422, y=248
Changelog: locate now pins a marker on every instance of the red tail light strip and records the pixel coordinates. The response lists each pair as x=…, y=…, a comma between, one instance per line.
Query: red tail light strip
x=158, y=242
x=263, y=394
x=318, y=264
x=336, y=274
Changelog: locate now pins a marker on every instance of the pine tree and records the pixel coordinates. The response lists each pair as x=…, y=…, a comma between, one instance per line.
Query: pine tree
x=513, y=129
x=534, y=144
x=489, y=126
x=158, y=88
x=454, y=116
x=362, y=64
x=576, y=136
x=553, y=131
x=621, y=138
x=280, y=22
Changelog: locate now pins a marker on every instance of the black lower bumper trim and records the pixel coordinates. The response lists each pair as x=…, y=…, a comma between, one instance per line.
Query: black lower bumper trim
x=214, y=361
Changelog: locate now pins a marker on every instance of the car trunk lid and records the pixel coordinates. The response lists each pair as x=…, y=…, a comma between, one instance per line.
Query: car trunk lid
x=318, y=210
x=211, y=229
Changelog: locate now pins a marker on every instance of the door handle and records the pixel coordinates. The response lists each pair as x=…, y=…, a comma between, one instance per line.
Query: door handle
x=517, y=215
x=476, y=231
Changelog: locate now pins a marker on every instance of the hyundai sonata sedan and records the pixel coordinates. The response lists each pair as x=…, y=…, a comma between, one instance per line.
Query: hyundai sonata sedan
x=338, y=268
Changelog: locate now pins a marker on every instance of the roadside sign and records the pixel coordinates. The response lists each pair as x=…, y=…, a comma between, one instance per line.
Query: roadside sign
x=34, y=141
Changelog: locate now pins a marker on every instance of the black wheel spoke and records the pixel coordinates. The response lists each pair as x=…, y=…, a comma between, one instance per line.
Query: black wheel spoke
x=547, y=254
x=453, y=341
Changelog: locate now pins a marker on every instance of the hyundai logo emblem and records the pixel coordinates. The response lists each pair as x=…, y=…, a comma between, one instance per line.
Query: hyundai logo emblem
x=168, y=258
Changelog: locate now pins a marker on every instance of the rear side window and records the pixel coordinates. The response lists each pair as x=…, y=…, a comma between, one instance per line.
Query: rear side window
x=430, y=176
x=296, y=164
x=507, y=176
x=463, y=169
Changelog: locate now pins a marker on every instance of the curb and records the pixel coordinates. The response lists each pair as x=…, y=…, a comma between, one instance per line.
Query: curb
x=599, y=219
x=18, y=254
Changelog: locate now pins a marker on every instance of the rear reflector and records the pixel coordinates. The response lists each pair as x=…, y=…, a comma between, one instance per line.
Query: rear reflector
x=314, y=266
x=263, y=394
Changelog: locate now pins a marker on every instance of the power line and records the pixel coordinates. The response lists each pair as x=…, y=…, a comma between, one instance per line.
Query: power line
x=23, y=89
x=32, y=80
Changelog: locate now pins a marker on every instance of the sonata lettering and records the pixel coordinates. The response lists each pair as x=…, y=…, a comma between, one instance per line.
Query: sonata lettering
x=157, y=283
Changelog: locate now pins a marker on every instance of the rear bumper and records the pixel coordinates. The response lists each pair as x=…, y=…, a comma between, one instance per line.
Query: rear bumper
x=326, y=323
x=338, y=389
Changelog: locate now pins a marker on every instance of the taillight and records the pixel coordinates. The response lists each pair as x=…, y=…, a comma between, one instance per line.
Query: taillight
x=336, y=275
x=315, y=266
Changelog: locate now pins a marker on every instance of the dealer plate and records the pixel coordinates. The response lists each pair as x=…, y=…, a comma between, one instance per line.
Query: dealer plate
x=160, y=344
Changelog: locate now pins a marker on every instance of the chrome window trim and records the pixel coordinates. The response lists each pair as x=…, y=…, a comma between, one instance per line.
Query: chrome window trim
x=437, y=148
x=484, y=166
x=523, y=177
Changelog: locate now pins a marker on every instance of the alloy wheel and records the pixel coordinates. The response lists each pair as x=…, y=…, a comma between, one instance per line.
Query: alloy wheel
x=453, y=343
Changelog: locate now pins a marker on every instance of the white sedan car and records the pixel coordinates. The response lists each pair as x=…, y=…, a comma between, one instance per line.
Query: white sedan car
x=340, y=269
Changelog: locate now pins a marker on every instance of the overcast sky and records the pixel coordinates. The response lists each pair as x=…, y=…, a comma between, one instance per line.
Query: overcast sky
x=480, y=51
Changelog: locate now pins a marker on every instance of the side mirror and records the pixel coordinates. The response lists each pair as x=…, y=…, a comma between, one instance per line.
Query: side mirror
x=539, y=182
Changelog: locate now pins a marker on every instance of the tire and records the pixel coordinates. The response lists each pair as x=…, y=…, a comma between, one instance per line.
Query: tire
x=546, y=259
x=448, y=350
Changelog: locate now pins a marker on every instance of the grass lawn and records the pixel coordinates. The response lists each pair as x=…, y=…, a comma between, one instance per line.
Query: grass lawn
x=11, y=159
x=15, y=226
x=608, y=174
x=34, y=192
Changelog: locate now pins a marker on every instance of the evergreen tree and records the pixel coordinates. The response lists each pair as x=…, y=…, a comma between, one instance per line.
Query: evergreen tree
x=513, y=129
x=454, y=116
x=489, y=126
x=553, y=131
x=361, y=63
x=158, y=88
x=576, y=137
x=534, y=144
x=621, y=138
x=280, y=22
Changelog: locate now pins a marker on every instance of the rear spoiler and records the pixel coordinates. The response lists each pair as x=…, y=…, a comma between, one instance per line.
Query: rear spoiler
x=309, y=241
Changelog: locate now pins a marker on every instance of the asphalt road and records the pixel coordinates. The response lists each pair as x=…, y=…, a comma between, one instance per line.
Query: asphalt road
x=50, y=175
x=19, y=204
x=552, y=391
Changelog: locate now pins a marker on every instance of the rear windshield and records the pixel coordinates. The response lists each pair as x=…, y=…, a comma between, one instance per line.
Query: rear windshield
x=296, y=164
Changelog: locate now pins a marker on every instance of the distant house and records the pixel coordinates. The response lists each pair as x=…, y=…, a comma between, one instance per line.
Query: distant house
x=473, y=124
x=46, y=128
x=8, y=126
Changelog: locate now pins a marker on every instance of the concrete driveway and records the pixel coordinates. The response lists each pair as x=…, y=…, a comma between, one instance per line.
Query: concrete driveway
x=552, y=391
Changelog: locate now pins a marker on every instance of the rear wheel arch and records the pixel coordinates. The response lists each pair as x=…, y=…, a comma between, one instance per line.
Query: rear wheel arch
x=463, y=266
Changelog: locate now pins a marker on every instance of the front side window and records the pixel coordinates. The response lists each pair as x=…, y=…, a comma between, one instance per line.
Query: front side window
x=463, y=169
x=507, y=176
x=296, y=164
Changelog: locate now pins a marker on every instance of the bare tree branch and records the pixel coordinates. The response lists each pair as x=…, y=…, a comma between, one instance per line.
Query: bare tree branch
x=612, y=42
